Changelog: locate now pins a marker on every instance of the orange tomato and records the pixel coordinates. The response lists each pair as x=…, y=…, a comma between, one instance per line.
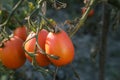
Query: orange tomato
x=60, y=45
x=21, y=32
x=91, y=13
x=12, y=53
x=41, y=59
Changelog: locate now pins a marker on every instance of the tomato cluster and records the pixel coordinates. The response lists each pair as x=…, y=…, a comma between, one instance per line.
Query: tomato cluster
x=30, y=45
x=43, y=45
x=11, y=52
x=54, y=44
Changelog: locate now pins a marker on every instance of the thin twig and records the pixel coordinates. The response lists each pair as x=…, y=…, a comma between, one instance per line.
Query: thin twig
x=11, y=14
x=75, y=72
x=43, y=52
x=55, y=73
x=31, y=54
x=83, y=18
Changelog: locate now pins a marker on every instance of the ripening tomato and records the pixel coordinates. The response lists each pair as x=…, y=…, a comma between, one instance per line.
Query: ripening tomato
x=59, y=45
x=21, y=32
x=91, y=13
x=41, y=59
x=12, y=53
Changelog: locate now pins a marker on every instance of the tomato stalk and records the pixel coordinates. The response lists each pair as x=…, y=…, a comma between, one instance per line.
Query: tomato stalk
x=11, y=14
x=5, y=35
x=75, y=72
x=35, y=50
x=41, y=50
x=43, y=70
x=58, y=5
x=51, y=27
x=34, y=63
x=31, y=54
x=87, y=3
x=44, y=20
x=37, y=10
x=55, y=73
x=3, y=31
x=83, y=18
x=30, y=24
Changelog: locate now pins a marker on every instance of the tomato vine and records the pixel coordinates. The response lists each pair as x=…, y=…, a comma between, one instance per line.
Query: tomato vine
x=36, y=20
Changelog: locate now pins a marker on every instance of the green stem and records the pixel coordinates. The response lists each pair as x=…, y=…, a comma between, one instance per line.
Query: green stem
x=37, y=10
x=43, y=52
x=75, y=72
x=55, y=73
x=11, y=14
x=31, y=54
x=43, y=70
x=83, y=18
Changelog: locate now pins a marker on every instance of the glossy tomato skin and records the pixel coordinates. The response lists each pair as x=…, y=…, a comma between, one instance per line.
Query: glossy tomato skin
x=12, y=54
x=21, y=32
x=59, y=44
x=41, y=59
x=91, y=13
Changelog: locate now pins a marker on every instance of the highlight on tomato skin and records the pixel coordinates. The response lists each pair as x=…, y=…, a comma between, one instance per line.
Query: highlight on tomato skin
x=41, y=59
x=60, y=45
x=12, y=54
x=21, y=32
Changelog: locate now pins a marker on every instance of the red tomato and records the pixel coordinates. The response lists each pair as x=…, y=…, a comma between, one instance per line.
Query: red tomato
x=41, y=59
x=12, y=54
x=21, y=32
x=59, y=44
x=91, y=13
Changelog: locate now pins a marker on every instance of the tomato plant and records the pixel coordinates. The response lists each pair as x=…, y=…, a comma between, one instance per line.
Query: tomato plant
x=21, y=32
x=59, y=44
x=91, y=13
x=57, y=48
x=12, y=53
x=30, y=45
